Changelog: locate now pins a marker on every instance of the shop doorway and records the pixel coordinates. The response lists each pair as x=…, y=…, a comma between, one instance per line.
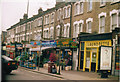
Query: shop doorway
x=81, y=59
x=93, y=59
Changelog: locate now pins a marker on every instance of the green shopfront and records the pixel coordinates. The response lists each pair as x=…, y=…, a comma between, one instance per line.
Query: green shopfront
x=67, y=51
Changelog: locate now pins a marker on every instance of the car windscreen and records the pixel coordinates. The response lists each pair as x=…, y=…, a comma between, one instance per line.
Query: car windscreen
x=6, y=58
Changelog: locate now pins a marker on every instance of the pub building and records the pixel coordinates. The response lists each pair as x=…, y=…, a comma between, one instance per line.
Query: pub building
x=68, y=53
x=89, y=49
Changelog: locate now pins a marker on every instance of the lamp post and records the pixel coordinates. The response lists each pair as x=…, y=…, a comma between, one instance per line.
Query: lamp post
x=26, y=27
x=60, y=36
x=39, y=54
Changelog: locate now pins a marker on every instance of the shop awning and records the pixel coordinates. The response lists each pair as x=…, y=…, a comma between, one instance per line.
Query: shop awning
x=38, y=49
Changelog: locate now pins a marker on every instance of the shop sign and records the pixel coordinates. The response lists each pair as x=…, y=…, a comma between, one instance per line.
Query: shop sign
x=63, y=42
x=105, y=58
x=19, y=46
x=98, y=43
x=67, y=43
x=35, y=43
x=12, y=47
x=8, y=47
x=27, y=45
x=67, y=49
x=51, y=43
x=4, y=47
x=73, y=43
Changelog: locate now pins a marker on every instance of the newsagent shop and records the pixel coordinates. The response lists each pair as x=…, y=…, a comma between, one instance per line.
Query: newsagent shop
x=89, y=50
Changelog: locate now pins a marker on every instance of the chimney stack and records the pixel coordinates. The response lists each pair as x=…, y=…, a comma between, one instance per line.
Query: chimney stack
x=40, y=10
x=25, y=16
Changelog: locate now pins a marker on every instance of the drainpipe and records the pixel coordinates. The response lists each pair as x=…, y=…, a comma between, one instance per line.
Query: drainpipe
x=70, y=20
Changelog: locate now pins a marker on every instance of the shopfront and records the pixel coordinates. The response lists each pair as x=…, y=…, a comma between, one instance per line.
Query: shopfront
x=47, y=47
x=89, y=50
x=8, y=50
x=68, y=48
x=12, y=50
x=18, y=49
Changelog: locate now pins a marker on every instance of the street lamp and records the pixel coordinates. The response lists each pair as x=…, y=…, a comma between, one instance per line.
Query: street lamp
x=39, y=54
x=26, y=27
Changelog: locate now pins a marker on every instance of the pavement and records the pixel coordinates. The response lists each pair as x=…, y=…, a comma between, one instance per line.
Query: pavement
x=73, y=74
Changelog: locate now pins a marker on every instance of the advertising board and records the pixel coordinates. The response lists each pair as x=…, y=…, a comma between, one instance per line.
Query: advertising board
x=105, y=58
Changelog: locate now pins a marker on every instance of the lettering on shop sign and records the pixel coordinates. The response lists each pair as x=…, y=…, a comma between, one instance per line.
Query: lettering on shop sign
x=98, y=43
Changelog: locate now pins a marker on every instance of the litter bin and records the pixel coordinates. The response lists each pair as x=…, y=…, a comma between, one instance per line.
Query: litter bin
x=54, y=70
x=50, y=65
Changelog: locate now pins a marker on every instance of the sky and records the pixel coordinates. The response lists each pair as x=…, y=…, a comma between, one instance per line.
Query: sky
x=13, y=10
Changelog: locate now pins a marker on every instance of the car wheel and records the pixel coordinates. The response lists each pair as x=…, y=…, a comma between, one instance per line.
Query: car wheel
x=9, y=71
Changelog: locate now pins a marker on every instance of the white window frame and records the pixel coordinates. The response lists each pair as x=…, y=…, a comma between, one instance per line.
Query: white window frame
x=102, y=14
x=59, y=12
x=79, y=8
x=82, y=7
x=51, y=32
x=46, y=35
x=68, y=11
x=46, y=19
x=117, y=12
x=87, y=21
x=81, y=22
x=75, y=10
x=52, y=17
x=100, y=26
x=89, y=5
x=65, y=29
x=65, y=12
x=40, y=21
x=114, y=1
x=58, y=31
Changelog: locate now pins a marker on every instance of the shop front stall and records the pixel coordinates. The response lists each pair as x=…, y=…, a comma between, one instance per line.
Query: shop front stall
x=8, y=50
x=18, y=49
x=12, y=51
x=65, y=49
x=46, y=49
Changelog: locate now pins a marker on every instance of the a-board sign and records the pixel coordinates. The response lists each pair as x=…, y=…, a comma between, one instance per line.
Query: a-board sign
x=105, y=57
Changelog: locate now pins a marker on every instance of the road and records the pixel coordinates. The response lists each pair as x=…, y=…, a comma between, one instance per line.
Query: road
x=22, y=74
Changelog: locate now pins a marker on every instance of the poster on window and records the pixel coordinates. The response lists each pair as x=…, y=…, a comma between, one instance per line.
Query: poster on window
x=105, y=58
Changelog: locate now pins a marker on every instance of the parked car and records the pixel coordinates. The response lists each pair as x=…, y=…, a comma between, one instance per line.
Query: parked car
x=8, y=64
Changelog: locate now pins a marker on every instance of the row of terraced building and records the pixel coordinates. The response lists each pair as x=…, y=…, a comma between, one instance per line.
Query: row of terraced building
x=90, y=24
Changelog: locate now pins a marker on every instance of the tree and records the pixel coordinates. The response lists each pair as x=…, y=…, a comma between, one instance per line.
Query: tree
x=52, y=57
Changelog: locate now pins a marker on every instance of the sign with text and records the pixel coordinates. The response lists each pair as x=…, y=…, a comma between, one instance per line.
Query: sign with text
x=67, y=43
x=98, y=43
x=19, y=46
x=12, y=47
x=105, y=58
x=51, y=43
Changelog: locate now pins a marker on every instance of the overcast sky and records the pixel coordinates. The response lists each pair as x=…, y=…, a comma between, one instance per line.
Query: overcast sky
x=13, y=10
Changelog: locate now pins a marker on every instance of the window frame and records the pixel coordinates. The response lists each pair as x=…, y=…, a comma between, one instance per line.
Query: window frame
x=89, y=6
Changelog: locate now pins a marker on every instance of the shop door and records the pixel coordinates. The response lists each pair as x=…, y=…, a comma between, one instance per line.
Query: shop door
x=93, y=60
x=81, y=60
